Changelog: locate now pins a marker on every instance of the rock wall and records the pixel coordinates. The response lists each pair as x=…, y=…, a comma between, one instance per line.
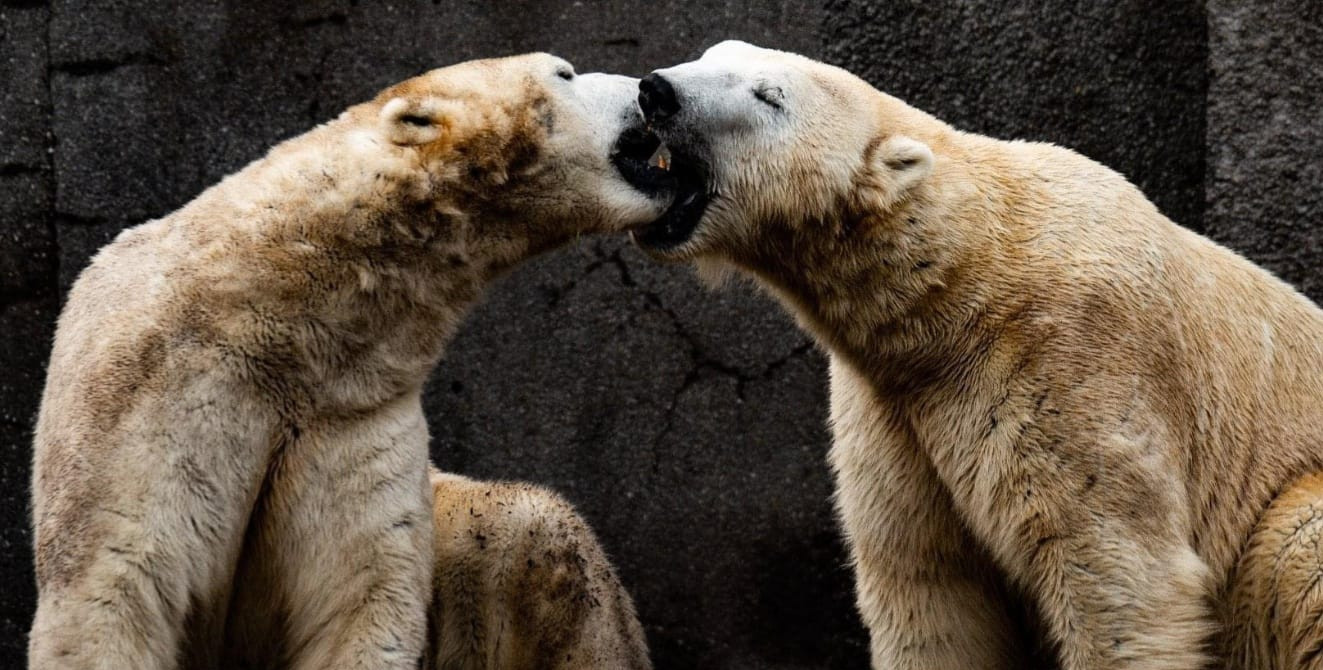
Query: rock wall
x=687, y=425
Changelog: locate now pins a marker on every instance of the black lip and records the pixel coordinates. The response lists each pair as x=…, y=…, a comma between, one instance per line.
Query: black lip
x=678, y=223
x=685, y=183
x=633, y=149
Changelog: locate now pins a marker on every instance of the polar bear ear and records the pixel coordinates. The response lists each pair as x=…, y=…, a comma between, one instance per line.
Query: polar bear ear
x=907, y=160
x=895, y=165
x=409, y=122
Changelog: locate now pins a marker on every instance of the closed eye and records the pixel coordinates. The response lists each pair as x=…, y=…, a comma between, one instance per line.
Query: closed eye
x=769, y=95
x=565, y=73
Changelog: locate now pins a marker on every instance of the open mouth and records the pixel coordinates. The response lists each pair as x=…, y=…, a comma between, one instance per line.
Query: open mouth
x=653, y=168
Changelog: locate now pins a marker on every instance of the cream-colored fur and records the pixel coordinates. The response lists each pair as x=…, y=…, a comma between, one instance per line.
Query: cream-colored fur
x=1274, y=613
x=231, y=456
x=1041, y=387
x=522, y=583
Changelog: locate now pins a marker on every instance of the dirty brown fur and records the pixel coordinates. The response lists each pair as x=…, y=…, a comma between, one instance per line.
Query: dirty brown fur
x=230, y=461
x=521, y=583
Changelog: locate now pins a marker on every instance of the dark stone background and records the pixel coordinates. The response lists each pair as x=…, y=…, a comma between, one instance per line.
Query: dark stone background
x=686, y=425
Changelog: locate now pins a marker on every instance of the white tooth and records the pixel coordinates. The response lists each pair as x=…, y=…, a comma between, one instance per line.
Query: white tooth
x=661, y=158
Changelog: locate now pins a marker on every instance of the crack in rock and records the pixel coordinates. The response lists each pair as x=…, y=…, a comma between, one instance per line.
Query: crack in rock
x=335, y=19
x=95, y=66
x=20, y=169
x=557, y=293
x=700, y=360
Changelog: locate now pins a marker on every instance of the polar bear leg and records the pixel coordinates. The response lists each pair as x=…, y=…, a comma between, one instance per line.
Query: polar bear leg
x=136, y=566
x=1274, y=619
x=522, y=583
x=1143, y=609
x=337, y=570
x=128, y=610
x=1114, y=592
x=931, y=599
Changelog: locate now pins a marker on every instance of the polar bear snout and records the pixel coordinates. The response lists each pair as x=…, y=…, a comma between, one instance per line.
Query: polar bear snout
x=729, y=124
x=657, y=98
x=659, y=157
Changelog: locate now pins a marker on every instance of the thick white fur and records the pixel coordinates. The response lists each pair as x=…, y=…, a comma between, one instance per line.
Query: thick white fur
x=231, y=458
x=1045, y=395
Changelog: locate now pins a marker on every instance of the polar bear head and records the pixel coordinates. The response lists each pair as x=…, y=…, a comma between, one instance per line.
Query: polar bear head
x=522, y=149
x=767, y=148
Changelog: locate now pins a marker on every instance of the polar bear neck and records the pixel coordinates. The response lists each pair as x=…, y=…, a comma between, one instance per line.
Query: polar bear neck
x=335, y=254
x=903, y=292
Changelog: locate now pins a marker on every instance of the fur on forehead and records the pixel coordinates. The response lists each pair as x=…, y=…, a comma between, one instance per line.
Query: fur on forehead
x=848, y=147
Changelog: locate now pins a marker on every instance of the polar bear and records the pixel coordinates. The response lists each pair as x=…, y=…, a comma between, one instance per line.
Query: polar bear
x=230, y=462
x=522, y=583
x=1044, y=394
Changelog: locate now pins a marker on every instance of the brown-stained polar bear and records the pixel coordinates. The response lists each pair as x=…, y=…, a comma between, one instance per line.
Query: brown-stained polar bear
x=231, y=456
x=523, y=584
x=1043, y=391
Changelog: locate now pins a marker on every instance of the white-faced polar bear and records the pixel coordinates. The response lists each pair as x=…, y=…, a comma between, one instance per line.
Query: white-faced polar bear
x=1043, y=391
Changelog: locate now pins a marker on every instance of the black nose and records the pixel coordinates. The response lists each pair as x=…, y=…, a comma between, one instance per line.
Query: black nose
x=657, y=98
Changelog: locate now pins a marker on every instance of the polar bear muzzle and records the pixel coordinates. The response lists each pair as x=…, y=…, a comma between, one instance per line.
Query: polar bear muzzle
x=653, y=167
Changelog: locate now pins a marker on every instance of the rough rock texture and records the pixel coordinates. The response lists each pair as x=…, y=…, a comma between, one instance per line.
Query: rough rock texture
x=29, y=302
x=686, y=425
x=1265, y=135
x=1120, y=82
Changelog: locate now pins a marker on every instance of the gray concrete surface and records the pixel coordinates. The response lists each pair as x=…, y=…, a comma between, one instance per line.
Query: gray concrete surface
x=687, y=425
x=1265, y=130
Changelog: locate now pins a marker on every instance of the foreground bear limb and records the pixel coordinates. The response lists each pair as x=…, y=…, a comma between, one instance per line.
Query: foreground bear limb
x=521, y=583
x=230, y=464
x=1042, y=388
x=1274, y=613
